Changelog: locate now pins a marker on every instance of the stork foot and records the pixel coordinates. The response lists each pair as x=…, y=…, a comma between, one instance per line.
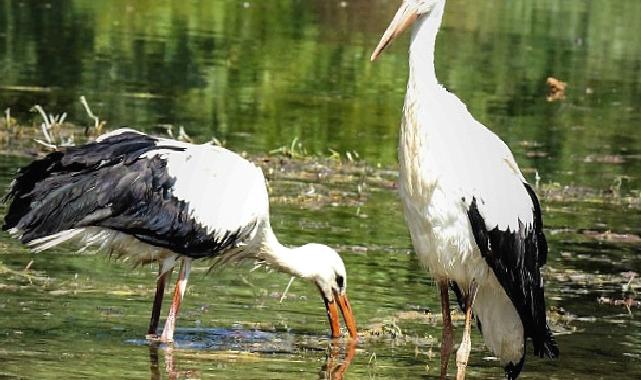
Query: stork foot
x=155, y=339
x=152, y=337
x=462, y=355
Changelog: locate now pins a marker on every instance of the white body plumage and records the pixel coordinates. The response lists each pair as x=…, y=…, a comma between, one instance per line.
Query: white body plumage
x=474, y=220
x=438, y=180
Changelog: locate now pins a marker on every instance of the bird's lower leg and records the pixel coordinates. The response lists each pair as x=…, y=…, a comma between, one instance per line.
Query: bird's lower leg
x=447, y=337
x=179, y=291
x=155, y=311
x=463, y=352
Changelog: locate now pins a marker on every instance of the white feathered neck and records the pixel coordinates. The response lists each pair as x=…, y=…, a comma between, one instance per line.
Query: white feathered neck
x=422, y=46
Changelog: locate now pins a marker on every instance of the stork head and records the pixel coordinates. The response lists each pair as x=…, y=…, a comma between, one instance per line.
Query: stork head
x=407, y=14
x=326, y=269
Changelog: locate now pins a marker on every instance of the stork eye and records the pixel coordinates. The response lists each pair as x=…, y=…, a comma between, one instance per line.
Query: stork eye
x=340, y=281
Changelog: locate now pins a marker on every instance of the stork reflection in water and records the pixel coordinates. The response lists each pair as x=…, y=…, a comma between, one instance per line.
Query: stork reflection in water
x=337, y=360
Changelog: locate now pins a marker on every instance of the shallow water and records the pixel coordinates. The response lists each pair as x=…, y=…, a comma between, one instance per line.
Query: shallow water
x=260, y=77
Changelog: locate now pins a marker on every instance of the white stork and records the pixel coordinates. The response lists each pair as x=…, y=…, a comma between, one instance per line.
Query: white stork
x=474, y=220
x=153, y=199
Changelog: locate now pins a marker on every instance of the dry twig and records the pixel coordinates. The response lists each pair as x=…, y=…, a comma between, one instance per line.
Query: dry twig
x=97, y=124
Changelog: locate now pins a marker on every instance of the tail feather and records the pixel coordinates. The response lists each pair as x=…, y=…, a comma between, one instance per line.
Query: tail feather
x=44, y=193
x=21, y=191
x=512, y=370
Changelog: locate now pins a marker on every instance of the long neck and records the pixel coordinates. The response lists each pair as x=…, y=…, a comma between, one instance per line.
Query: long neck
x=289, y=260
x=422, y=72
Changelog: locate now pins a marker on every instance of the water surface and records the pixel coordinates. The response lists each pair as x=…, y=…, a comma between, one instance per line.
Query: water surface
x=258, y=75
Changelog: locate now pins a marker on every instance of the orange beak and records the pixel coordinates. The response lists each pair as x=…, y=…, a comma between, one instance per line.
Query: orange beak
x=340, y=301
x=405, y=16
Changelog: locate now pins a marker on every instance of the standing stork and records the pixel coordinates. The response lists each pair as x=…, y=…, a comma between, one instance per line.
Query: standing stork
x=474, y=220
x=152, y=199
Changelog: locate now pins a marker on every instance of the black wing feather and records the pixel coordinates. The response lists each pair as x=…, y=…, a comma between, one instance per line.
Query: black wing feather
x=516, y=258
x=106, y=184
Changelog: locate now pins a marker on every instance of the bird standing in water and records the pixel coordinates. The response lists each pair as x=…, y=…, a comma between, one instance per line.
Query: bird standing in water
x=474, y=220
x=160, y=200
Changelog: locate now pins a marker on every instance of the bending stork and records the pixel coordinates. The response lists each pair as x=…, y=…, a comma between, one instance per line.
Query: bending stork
x=474, y=220
x=153, y=199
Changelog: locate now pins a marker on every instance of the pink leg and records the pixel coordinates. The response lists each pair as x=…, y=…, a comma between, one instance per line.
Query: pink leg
x=448, y=329
x=463, y=353
x=179, y=292
x=155, y=311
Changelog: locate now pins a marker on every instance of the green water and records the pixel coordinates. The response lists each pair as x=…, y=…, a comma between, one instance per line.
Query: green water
x=260, y=76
